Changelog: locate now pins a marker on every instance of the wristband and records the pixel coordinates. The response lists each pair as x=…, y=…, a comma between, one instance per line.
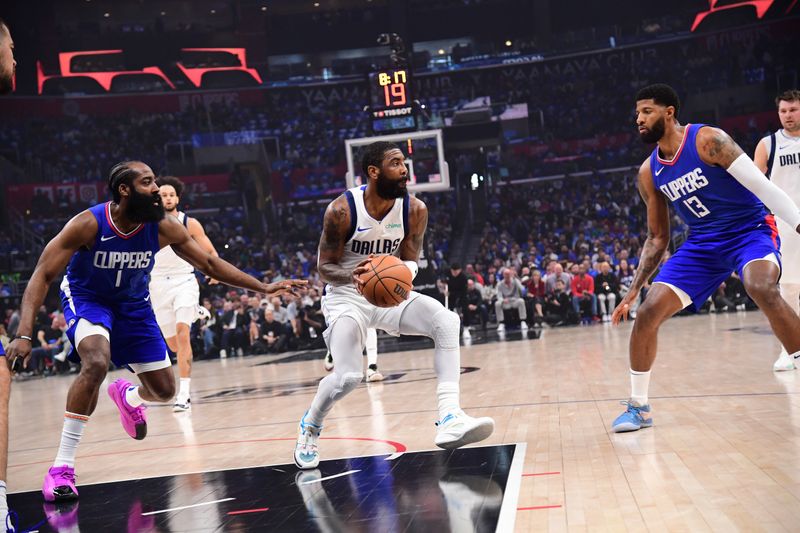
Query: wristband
x=25, y=337
x=412, y=266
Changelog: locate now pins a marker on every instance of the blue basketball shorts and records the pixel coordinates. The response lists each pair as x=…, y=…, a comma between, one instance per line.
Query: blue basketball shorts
x=134, y=334
x=704, y=262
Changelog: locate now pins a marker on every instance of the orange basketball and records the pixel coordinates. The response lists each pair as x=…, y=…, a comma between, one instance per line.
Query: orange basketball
x=388, y=281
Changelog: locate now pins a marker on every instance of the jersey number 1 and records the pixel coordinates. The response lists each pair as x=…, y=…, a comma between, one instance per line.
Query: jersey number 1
x=696, y=206
x=119, y=278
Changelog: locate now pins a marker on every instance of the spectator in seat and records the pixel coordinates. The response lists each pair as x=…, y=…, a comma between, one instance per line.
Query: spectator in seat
x=534, y=297
x=558, y=273
x=233, y=324
x=558, y=306
x=474, y=307
x=607, y=288
x=584, y=301
x=456, y=286
x=509, y=296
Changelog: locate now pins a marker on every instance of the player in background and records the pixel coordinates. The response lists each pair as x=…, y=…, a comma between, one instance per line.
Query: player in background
x=373, y=374
x=7, y=68
x=174, y=289
x=108, y=251
x=718, y=191
x=381, y=215
x=778, y=156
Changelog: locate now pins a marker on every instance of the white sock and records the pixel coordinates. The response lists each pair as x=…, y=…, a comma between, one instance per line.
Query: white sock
x=3, y=504
x=70, y=437
x=447, y=393
x=183, y=392
x=132, y=397
x=372, y=347
x=640, y=384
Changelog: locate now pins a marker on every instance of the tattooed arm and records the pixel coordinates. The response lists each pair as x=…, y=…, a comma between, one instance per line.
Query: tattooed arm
x=656, y=243
x=335, y=227
x=715, y=147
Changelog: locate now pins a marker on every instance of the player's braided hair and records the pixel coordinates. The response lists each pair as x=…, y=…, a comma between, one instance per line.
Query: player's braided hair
x=120, y=173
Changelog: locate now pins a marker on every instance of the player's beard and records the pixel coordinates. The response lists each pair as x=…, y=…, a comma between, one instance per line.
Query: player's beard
x=6, y=81
x=654, y=134
x=141, y=208
x=390, y=189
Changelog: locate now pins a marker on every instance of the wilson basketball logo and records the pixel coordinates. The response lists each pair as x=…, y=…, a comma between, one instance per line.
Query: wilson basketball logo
x=401, y=291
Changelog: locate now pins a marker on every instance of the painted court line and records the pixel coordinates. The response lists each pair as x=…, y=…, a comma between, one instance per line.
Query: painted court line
x=538, y=507
x=541, y=474
x=187, y=506
x=245, y=511
x=329, y=477
x=508, y=509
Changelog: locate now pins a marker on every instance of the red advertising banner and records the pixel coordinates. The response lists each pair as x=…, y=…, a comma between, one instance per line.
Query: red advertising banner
x=21, y=196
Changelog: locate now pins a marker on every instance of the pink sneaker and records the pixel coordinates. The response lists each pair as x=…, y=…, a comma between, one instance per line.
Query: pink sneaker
x=62, y=517
x=133, y=418
x=59, y=484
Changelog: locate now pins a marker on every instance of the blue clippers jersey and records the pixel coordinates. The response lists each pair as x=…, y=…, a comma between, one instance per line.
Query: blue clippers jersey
x=117, y=267
x=706, y=197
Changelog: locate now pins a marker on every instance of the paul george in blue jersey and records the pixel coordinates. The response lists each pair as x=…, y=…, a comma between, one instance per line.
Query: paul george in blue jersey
x=723, y=198
x=108, y=253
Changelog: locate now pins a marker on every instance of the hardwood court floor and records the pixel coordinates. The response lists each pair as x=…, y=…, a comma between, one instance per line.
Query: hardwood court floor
x=724, y=453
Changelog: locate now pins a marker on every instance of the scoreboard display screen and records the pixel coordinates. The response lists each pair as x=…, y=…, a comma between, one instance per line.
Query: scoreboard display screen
x=391, y=103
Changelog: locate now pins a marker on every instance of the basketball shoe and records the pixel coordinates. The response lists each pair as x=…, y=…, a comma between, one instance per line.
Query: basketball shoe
x=328, y=363
x=373, y=374
x=306, y=451
x=458, y=429
x=634, y=418
x=784, y=362
x=182, y=405
x=134, y=419
x=59, y=484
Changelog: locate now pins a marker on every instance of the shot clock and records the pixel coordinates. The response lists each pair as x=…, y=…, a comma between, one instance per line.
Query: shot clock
x=391, y=103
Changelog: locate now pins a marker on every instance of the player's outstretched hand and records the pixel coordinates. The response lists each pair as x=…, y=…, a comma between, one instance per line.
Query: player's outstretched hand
x=361, y=268
x=285, y=286
x=624, y=307
x=17, y=354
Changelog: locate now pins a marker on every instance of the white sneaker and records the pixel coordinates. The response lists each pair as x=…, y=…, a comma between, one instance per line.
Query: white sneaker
x=203, y=313
x=501, y=328
x=223, y=354
x=328, y=362
x=466, y=334
x=784, y=363
x=239, y=352
x=523, y=326
x=182, y=405
x=458, y=429
x=306, y=451
x=373, y=374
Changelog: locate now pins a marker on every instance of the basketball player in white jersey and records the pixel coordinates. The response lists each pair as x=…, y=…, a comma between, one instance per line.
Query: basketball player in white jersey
x=174, y=291
x=778, y=156
x=381, y=218
x=373, y=374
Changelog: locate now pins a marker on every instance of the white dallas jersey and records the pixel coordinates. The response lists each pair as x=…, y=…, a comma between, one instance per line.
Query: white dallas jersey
x=369, y=236
x=168, y=263
x=785, y=173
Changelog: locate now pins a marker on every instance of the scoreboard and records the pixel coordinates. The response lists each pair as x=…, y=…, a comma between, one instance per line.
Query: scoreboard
x=391, y=103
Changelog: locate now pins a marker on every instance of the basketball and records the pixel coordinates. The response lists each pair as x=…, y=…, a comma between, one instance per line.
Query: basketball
x=388, y=282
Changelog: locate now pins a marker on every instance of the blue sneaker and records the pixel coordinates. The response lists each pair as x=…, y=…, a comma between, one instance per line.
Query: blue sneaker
x=634, y=418
x=306, y=451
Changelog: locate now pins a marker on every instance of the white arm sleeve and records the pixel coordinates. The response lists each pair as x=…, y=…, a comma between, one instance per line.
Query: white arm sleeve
x=747, y=173
x=412, y=266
